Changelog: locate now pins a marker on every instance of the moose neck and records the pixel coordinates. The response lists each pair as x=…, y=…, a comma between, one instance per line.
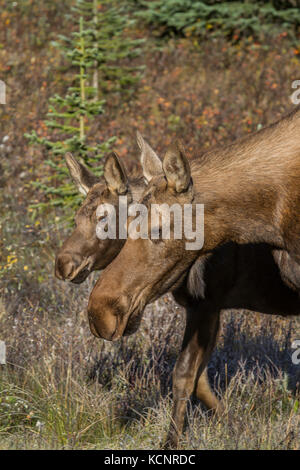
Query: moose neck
x=246, y=187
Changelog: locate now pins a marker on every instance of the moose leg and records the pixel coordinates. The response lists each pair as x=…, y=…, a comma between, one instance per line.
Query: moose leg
x=199, y=339
x=204, y=393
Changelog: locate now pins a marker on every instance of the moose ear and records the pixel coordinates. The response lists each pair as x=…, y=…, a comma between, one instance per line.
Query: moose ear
x=81, y=176
x=150, y=162
x=177, y=169
x=115, y=175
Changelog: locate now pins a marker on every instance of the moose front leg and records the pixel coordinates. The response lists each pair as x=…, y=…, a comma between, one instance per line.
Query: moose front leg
x=189, y=373
x=204, y=393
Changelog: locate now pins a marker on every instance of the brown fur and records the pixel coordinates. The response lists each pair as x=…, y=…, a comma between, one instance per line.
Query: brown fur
x=83, y=252
x=251, y=192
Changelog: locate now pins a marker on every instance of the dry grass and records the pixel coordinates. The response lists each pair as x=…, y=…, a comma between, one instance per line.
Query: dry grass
x=64, y=389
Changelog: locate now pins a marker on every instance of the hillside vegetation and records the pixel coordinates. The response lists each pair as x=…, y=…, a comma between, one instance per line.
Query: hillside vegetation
x=206, y=85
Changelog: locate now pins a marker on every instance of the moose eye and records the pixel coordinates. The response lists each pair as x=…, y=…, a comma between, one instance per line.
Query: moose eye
x=156, y=236
x=103, y=219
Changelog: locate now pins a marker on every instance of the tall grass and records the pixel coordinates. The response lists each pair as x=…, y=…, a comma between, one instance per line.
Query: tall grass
x=63, y=389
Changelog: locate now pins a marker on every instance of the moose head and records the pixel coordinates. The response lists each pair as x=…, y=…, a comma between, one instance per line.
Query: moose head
x=251, y=193
x=84, y=252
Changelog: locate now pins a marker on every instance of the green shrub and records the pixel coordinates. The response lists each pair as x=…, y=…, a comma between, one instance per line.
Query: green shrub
x=226, y=18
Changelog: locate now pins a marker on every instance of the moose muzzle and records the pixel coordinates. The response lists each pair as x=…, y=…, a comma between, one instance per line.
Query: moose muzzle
x=70, y=267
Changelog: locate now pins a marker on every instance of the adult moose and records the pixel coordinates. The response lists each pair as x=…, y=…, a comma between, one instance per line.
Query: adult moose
x=82, y=252
x=251, y=194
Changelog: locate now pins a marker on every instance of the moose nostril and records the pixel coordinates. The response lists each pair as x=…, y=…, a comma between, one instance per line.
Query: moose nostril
x=68, y=269
x=103, y=323
x=93, y=328
x=64, y=267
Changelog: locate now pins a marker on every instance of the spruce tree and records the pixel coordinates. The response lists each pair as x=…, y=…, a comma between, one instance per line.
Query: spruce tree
x=95, y=51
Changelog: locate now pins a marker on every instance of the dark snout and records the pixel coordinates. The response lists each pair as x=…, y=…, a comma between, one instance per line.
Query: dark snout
x=110, y=317
x=71, y=267
x=114, y=308
x=105, y=321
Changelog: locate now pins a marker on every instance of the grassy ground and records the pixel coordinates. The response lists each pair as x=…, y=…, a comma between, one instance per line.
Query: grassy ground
x=65, y=389
x=62, y=388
